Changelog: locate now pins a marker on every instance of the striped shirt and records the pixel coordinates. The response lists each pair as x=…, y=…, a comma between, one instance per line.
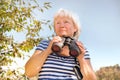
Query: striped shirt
x=57, y=67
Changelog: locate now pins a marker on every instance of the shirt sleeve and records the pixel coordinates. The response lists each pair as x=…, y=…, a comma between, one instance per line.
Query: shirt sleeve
x=42, y=45
x=87, y=55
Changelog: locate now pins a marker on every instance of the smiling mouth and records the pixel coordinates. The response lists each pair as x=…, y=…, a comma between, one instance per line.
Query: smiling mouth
x=62, y=29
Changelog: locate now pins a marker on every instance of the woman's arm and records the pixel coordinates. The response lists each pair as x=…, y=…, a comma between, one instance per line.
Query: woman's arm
x=85, y=65
x=34, y=64
x=86, y=69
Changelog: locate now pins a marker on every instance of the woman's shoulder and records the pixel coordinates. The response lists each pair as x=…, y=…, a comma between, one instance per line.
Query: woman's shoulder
x=43, y=44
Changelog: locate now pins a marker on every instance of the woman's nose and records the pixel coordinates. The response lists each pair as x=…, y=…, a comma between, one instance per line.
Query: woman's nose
x=62, y=25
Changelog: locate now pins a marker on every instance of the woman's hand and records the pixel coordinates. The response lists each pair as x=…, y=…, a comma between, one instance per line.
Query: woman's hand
x=82, y=50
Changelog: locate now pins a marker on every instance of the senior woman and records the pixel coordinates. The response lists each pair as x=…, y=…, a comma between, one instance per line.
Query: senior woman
x=51, y=66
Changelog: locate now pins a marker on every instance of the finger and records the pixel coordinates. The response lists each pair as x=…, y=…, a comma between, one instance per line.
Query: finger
x=82, y=48
x=80, y=45
x=57, y=39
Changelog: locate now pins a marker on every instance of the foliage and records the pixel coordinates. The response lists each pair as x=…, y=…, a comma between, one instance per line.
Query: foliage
x=13, y=74
x=17, y=16
x=109, y=73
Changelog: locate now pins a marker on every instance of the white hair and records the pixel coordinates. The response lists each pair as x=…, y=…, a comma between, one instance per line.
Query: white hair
x=73, y=17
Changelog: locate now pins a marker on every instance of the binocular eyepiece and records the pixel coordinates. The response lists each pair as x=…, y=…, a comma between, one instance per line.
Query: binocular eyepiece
x=67, y=41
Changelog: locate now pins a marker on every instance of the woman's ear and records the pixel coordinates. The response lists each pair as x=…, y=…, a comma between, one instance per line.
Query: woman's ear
x=75, y=30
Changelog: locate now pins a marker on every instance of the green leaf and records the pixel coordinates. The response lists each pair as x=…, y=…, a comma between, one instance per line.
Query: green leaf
x=41, y=10
x=17, y=16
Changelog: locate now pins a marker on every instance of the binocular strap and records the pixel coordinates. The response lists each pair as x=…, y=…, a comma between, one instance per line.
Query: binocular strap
x=77, y=70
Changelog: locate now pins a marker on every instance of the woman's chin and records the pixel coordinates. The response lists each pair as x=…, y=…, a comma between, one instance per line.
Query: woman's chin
x=63, y=35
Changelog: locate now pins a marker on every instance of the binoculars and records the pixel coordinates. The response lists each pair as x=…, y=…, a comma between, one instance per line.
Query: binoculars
x=67, y=41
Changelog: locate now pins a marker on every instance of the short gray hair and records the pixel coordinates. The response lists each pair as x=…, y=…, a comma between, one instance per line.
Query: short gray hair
x=73, y=17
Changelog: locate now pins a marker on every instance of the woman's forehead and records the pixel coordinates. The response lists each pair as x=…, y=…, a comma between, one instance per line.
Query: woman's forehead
x=63, y=17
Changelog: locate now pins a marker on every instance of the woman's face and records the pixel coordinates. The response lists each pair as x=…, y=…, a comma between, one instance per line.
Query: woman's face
x=64, y=27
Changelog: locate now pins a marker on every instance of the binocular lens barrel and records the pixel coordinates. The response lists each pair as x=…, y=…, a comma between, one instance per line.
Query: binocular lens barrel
x=74, y=53
x=56, y=48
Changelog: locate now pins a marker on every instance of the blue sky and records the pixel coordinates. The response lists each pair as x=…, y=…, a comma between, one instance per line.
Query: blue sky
x=100, y=20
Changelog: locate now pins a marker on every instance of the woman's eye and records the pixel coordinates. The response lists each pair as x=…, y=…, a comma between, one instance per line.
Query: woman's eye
x=66, y=22
x=58, y=23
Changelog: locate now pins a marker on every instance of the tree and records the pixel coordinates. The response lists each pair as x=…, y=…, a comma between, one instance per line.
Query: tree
x=17, y=16
x=109, y=73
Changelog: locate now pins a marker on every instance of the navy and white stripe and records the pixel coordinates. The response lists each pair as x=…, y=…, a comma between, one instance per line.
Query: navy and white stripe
x=57, y=67
x=43, y=45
